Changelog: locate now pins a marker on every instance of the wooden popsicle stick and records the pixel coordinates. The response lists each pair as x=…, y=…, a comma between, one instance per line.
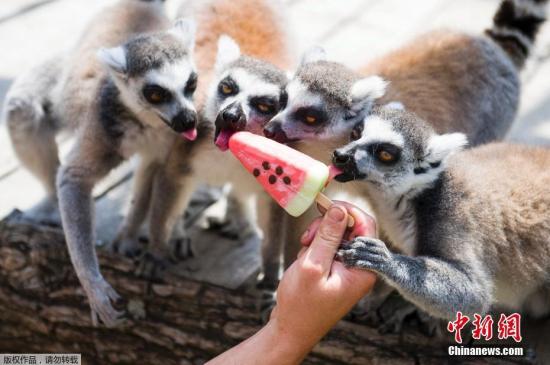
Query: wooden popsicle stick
x=325, y=202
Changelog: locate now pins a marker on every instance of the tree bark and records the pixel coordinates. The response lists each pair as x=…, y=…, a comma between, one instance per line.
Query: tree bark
x=176, y=321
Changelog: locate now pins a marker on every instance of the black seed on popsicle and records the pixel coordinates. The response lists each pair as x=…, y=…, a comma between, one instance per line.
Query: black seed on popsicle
x=256, y=172
x=272, y=179
x=279, y=170
x=265, y=165
x=286, y=180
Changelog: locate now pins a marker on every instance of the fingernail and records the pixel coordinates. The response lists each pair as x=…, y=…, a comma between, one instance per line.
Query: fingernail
x=336, y=213
x=305, y=235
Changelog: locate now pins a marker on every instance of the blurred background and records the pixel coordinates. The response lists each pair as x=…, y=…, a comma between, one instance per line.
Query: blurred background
x=353, y=31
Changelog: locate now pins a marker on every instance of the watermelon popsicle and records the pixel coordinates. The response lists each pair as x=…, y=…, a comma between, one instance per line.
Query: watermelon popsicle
x=292, y=178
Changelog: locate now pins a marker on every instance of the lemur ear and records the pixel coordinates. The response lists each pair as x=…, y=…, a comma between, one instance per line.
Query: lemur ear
x=372, y=87
x=114, y=58
x=394, y=105
x=185, y=29
x=314, y=54
x=365, y=91
x=228, y=51
x=442, y=146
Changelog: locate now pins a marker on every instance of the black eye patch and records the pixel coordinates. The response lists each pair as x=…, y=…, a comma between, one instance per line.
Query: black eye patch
x=283, y=99
x=156, y=94
x=420, y=170
x=228, y=87
x=265, y=104
x=191, y=85
x=385, y=153
x=311, y=116
x=356, y=132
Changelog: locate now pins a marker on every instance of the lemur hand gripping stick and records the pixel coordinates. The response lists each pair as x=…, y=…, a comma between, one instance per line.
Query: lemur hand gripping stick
x=292, y=178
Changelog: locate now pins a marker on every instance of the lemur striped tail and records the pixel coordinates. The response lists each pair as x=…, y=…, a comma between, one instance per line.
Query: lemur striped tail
x=515, y=27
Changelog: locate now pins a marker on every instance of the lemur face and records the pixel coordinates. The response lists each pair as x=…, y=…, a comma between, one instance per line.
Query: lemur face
x=395, y=151
x=325, y=101
x=156, y=75
x=245, y=94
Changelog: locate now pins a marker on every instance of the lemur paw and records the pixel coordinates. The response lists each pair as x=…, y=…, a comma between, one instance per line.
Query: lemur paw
x=181, y=248
x=152, y=266
x=102, y=296
x=129, y=247
x=365, y=253
x=180, y=243
x=268, y=301
x=44, y=212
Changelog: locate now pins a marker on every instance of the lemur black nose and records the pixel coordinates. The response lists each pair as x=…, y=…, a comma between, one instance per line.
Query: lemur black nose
x=232, y=117
x=275, y=132
x=184, y=121
x=340, y=158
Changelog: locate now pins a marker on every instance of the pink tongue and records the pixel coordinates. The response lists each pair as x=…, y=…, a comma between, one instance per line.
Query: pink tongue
x=190, y=134
x=333, y=171
x=223, y=139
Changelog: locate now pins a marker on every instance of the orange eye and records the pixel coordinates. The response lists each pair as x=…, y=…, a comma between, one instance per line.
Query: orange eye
x=156, y=94
x=264, y=108
x=226, y=89
x=310, y=119
x=155, y=97
x=385, y=156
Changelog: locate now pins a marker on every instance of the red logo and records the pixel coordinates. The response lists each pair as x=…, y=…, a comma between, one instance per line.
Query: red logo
x=457, y=326
x=508, y=327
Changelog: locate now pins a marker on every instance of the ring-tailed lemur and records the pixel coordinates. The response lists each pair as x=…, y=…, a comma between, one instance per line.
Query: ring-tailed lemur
x=120, y=101
x=241, y=91
x=473, y=226
x=456, y=81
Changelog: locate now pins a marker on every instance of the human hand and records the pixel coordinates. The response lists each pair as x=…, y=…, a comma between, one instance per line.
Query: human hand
x=316, y=291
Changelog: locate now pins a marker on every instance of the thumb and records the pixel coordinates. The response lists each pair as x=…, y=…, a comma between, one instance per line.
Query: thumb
x=328, y=238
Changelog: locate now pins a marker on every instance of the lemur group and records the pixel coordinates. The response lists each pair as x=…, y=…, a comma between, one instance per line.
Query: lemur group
x=463, y=218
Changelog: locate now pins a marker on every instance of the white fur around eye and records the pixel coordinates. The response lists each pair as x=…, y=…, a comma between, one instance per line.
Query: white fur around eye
x=379, y=130
x=228, y=51
x=299, y=95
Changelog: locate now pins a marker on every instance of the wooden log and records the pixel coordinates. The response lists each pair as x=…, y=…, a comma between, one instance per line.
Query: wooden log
x=176, y=321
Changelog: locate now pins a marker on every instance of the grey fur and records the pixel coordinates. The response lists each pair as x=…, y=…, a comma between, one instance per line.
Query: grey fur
x=330, y=79
x=104, y=104
x=470, y=243
x=185, y=170
x=262, y=69
x=151, y=52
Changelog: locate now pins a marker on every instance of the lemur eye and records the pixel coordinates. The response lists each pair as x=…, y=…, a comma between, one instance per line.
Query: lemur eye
x=156, y=94
x=226, y=89
x=263, y=108
x=385, y=156
x=385, y=153
x=310, y=119
x=312, y=116
x=264, y=104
